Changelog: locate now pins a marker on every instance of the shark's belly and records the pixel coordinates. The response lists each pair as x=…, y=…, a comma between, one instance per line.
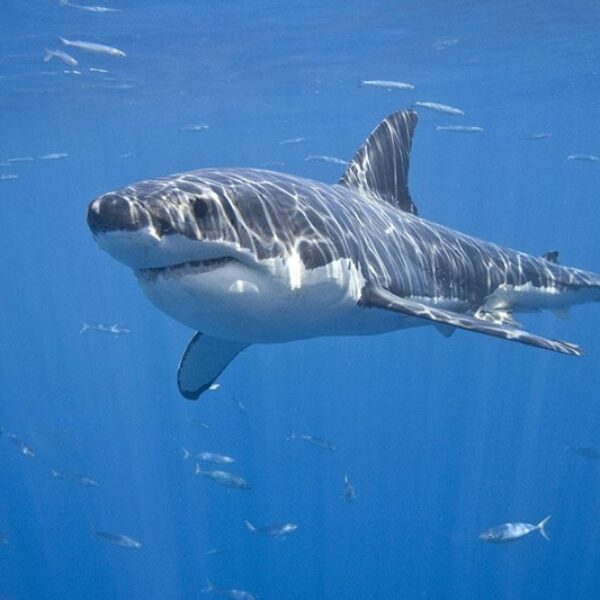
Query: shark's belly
x=276, y=303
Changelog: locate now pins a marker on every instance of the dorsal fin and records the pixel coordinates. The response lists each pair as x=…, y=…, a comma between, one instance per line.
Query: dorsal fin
x=380, y=167
x=551, y=256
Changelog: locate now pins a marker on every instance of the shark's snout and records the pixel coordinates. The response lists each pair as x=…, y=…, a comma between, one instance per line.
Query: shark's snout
x=113, y=212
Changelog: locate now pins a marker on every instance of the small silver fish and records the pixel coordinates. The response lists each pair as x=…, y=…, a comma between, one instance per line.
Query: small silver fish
x=275, y=531
x=54, y=156
x=584, y=157
x=534, y=137
x=86, y=8
x=215, y=551
x=296, y=140
x=509, y=532
x=60, y=55
x=20, y=159
x=104, y=328
x=97, y=70
x=241, y=407
x=197, y=422
x=332, y=160
x=75, y=478
x=441, y=108
x=211, y=457
x=349, y=492
x=117, y=538
x=234, y=594
x=8, y=177
x=225, y=479
x=93, y=47
x=199, y=127
x=460, y=128
x=313, y=440
x=388, y=85
x=442, y=43
x=112, y=86
x=21, y=446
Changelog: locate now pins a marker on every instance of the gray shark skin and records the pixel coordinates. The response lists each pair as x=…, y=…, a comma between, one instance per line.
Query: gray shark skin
x=249, y=256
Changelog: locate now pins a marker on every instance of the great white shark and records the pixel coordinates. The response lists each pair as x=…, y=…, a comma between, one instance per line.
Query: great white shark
x=247, y=256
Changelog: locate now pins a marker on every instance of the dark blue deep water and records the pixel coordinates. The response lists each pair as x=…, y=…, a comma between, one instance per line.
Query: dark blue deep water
x=442, y=438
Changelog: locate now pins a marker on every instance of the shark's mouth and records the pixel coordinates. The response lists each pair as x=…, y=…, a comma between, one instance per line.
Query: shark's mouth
x=194, y=267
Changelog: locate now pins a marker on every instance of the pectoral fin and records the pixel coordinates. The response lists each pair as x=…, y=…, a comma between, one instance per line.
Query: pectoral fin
x=375, y=297
x=203, y=361
x=445, y=330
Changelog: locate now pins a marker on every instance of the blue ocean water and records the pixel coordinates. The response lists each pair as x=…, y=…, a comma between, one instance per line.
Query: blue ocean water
x=442, y=438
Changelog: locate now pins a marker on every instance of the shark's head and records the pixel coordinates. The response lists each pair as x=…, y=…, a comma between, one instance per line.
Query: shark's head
x=197, y=243
x=202, y=244
x=169, y=223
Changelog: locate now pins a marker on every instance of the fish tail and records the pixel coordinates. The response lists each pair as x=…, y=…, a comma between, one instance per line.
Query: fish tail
x=250, y=526
x=291, y=437
x=84, y=326
x=64, y=41
x=198, y=470
x=186, y=453
x=541, y=526
x=49, y=55
x=209, y=587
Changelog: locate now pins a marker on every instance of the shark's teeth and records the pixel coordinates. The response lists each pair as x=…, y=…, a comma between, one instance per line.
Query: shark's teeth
x=194, y=266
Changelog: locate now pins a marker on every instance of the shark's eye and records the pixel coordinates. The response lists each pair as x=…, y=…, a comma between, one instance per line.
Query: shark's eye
x=200, y=208
x=162, y=224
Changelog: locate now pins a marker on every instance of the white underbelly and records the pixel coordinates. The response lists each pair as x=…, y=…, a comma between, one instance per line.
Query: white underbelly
x=274, y=303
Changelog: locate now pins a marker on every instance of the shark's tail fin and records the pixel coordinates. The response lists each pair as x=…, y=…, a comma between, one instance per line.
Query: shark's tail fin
x=209, y=587
x=250, y=526
x=64, y=41
x=291, y=437
x=541, y=526
x=186, y=453
x=84, y=327
x=49, y=55
x=199, y=470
